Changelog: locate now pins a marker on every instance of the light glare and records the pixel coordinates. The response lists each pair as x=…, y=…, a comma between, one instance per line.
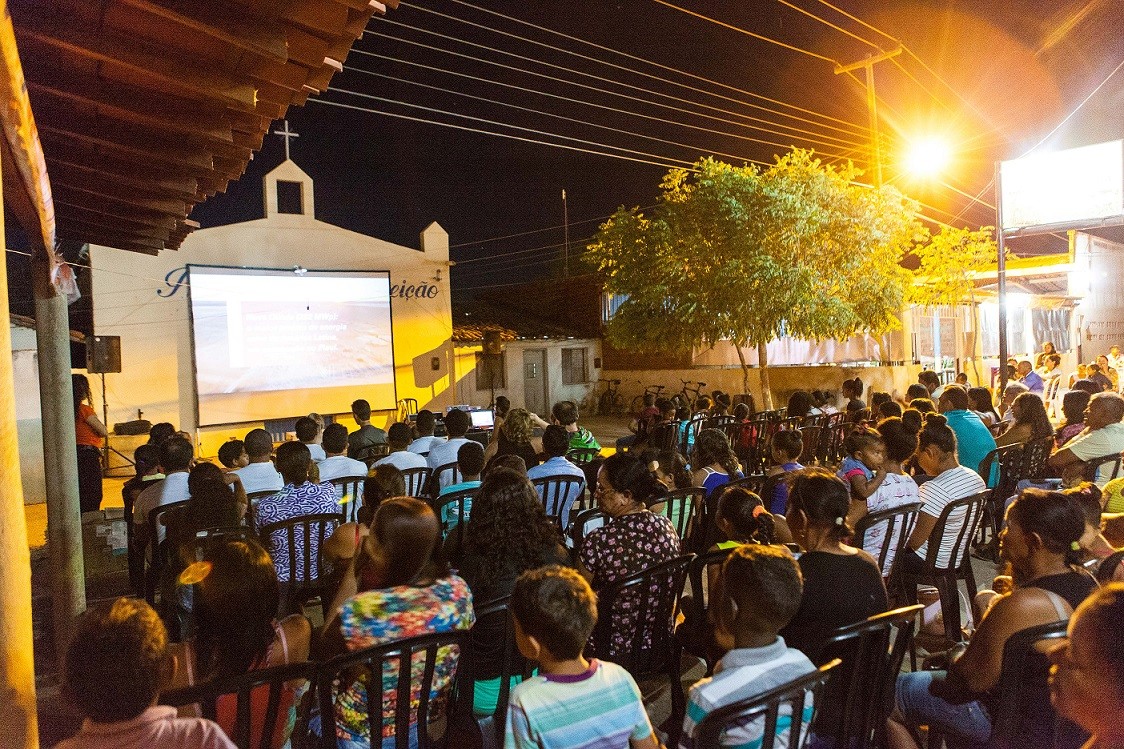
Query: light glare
x=928, y=157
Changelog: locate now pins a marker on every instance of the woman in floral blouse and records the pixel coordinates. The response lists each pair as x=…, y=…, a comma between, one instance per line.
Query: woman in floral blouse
x=633, y=540
x=396, y=589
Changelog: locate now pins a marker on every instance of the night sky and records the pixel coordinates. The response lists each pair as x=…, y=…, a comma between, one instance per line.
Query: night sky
x=1001, y=76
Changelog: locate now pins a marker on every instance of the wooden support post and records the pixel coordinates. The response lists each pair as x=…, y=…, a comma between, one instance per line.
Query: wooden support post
x=18, y=725
x=60, y=455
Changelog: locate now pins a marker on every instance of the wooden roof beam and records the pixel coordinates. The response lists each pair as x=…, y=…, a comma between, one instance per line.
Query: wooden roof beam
x=107, y=188
x=114, y=239
x=126, y=212
x=109, y=225
x=126, y=174
x=215, y=18
x=194, y=159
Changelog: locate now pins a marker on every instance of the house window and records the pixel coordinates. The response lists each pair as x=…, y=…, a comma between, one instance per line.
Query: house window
x=574, y=369
x=290, y=197
x=490, y=370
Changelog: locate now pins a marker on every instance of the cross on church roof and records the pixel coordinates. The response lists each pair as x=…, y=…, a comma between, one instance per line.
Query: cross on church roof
x=287, y=134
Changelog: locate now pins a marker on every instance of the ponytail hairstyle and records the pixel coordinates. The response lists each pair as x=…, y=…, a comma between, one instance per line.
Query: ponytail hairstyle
x=912, y=420
x=626, y=473
x=712, y=447
x=900, y=440
x=936, y=431
x=1056, y=517
x=823, y=498
x=750, y=521
x=671, y=463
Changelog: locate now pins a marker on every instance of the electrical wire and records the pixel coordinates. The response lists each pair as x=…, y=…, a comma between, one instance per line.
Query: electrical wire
x=537, y=231
x=860, y=129
x=832, y=25
x=593, y=76
x=676, y=123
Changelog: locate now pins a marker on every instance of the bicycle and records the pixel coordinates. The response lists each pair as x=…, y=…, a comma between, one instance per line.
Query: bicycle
x=611, y=401
x=688, y=396
x=638, y=401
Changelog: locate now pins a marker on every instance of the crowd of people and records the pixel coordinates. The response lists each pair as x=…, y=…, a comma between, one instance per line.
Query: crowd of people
x=792, y=571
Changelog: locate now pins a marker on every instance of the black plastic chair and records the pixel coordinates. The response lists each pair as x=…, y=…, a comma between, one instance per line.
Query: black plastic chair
x=1035, y=455
x=816, y=442
x=275, y=681
x=582, y=523
x=899, y=522
x=457, y=505
x=558, y=494
x=349, y=489
x=307, y=578
x=1093, y=467
x=372, y=454
x=342, y=671
x=434, y=488
x=1010, y=462
x=860, y=697
x=836, y=427
x=797, y=697
x=1021, y=698
x=486, y=651
x=691, y=633
x=646, y=604
x=689, y=432
x=683, y=507
x=416, y=480
x=946, y=577
x=159, y=550
x=664, y=437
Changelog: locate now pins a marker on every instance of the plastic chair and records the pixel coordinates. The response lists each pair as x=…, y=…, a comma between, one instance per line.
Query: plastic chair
x=416, y=480
x=434, y=482
x=252, y=728
x=582, y=524
x=797, y=697
x=899, y=522
x=816, y=442
x=558, y=494
x=158, y=549
x=349, y=489
x=485, y=648
x=583, y=455
x=398, y=660
x=297, y=536
x=1035, y=455
x=683, y=507
x=372, y=454
x=452, y=512
x=652, y=597
x=1010, y=460
x=252, y=500
x=696, y=622
x=860, y=697
x=1093, y=467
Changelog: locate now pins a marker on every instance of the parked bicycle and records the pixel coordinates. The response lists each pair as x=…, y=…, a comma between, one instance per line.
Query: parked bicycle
x=611, y=402
x=638, y=401
x=688, y=395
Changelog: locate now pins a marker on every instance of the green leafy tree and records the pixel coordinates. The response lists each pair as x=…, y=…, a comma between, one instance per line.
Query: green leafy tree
x=747, y=255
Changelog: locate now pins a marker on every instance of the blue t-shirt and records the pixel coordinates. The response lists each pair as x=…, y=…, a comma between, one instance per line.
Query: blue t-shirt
x=850, y=465
x=714, y=479
x=451, y=513
x=973, y=442
x=778, y=503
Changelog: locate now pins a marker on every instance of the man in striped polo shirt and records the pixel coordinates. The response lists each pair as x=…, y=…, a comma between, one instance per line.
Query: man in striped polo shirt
x=762, y=588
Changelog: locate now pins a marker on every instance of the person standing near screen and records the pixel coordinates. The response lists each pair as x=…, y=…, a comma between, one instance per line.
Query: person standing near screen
x=362, y=443
x=90, y=434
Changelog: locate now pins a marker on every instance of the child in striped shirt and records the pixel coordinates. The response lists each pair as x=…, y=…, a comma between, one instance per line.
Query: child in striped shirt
x=573, y=702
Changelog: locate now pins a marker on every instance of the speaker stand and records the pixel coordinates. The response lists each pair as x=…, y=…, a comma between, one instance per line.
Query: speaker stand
x=105, y=420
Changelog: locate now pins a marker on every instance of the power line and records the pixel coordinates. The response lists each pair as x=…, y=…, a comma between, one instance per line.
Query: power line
x=582, y=102
x=668, y=68
x=535, y=231
x=832, y=25
x=603, y=79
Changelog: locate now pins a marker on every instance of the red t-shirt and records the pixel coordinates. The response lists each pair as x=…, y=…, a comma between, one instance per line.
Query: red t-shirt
x=82, y=431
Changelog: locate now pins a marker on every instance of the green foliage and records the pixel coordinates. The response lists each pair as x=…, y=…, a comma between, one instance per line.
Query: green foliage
x=745, y=254
x=947, y=264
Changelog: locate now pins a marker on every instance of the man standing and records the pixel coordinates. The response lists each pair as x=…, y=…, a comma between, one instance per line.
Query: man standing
x=362, y=443
x=1103, y=436
x=337, y=464
x=259, y=475
x=400, y=457
x=973, y=440
x=1030, y=378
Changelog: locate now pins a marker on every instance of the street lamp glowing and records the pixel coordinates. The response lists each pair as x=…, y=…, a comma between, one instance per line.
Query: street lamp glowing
x=928, y=157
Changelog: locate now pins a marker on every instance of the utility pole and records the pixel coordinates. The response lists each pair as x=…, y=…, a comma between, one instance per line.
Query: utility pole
x=565, y=237
x=872, y=104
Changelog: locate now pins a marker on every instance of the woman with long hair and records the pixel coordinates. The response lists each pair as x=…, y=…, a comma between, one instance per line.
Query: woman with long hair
x=1041, y=543
x=516, y=437
x=90, y=434
x=1031, y=421
x=235, y=604
x=1073, y=408
x=397, y=586
x=983, y=405
x=714, y=461
x=799, y=404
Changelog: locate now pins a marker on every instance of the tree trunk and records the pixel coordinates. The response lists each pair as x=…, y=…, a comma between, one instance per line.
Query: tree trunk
x=745, y=367
x=766, y=391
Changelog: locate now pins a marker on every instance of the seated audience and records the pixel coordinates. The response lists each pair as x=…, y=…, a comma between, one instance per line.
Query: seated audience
x=1030, y=422
x=936, y=456
x=509, y=462
x=842, y=584
x=1042, y=531
x=508, y=534
x=932, y=382
x=556, y=443
x=861, y=469
x=980, y=402
x=160, y=432
x=516, y=437
x=1109, y=372
x=260, y=475
x=176, y=458
x=713, y=461
x=915, y=391
x=572, y=702
x=309, y=433
x=217, y=501
x=384, y=483
x=396, y=587
x=785, y=448
x=400, y=456
x=665, y=432
x=365, y=442
x=1050, y=368
x=924, y=405
x=1081, y=373
x=232, y=454
x=973, y=439
x=669, y=467
x=1030, y=378
x=425, y=424
x=298, y=497
x=1013, y=390
x=1103, y=435
x=1074, y=404
x=641, y=425
x=236, y=631
x=759, y=592
x=1098, y=377
x=878, y=398
x=962, y=378
x=1087, y=680
x=888, y=410
x=337, y=465
x=566, y=414
x=470, y=462
x=632, y=540
x=457, y=423
x=1097, y=549
x=146, y=461
x=799, y=404
x=113, y=670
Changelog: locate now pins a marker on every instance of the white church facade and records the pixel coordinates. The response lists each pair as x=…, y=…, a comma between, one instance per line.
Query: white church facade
x=144, y=300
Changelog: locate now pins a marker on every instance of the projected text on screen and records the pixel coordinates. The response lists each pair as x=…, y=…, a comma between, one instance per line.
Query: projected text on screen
x=272, y=344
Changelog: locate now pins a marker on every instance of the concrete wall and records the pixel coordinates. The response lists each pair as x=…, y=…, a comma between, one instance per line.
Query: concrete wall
x=582, y=394
x=29, y=426
x=135, y=297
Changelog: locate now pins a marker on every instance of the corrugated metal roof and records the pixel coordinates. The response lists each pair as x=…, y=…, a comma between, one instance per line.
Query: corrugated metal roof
x=472, y=320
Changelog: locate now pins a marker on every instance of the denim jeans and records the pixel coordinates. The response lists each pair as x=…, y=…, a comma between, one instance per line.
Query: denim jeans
x=968, y=724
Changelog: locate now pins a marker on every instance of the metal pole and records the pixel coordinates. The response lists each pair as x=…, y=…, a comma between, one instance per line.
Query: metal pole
x=565, y=236
x=872, y=111
x=1001, y=278
x=18, y=722
x=60, y=455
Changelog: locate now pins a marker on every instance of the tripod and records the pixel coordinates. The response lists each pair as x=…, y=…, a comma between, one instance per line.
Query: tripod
x=105, y=420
